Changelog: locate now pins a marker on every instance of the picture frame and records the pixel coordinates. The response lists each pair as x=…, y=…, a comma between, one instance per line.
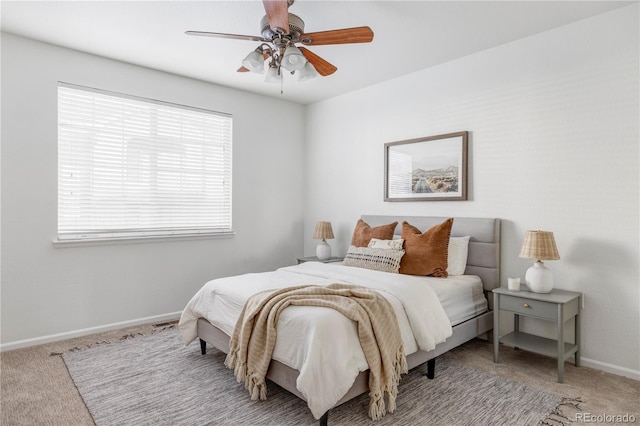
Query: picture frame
x=432, y=168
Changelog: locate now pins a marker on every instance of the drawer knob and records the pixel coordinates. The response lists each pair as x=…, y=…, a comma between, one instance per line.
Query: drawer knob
x=526, y=305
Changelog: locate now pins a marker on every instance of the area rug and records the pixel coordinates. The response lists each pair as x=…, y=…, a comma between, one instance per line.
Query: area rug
x=156, y=380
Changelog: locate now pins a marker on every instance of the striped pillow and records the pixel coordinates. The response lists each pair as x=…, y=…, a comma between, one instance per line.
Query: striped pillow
x=385, y=260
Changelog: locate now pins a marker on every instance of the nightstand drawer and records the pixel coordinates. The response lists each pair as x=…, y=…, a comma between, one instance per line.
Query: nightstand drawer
x=532, y=308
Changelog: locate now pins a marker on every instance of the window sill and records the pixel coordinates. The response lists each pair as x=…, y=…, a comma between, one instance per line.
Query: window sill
x=83, y=242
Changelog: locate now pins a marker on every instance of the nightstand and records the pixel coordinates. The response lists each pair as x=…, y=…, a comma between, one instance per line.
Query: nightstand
x=558, y=306
x=315, y=259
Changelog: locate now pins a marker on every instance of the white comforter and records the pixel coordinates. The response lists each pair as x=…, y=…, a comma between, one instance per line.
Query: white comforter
x=312, y=338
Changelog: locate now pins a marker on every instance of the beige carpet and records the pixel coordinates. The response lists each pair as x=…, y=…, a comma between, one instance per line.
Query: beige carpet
x=37, y=388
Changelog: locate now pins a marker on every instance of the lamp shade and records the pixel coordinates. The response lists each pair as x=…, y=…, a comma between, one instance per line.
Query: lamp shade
x=273, y=76
x=307, y=72
x=293, y=59
x=254, y=62
x=539, y=245
x=323, y=231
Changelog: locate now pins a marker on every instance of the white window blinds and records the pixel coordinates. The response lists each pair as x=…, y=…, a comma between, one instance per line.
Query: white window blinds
x=133, y=167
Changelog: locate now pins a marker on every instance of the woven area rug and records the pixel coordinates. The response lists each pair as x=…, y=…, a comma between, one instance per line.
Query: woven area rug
x=156, y=380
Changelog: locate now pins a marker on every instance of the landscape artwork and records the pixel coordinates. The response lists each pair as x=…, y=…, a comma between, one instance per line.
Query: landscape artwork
x=433, y=168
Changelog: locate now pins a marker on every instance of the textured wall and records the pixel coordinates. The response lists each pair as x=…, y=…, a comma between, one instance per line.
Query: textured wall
x=553, y=122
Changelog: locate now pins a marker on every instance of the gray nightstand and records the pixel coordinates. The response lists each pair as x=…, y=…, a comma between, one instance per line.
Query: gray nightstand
x=315, y=259
x=558, y=306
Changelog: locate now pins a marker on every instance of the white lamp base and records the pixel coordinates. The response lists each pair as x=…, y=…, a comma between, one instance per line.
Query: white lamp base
x=539, y=278
x=323, y=251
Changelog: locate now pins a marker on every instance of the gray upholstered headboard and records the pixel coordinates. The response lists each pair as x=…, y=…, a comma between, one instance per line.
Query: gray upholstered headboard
x=484, y=245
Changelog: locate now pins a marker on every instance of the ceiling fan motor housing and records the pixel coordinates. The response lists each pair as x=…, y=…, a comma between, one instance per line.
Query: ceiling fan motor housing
x=296, y=28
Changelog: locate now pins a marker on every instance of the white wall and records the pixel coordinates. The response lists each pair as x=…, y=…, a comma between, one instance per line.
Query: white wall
x=48, y=290
x=554, y=137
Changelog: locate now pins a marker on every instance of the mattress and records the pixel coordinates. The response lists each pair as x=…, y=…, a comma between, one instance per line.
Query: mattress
x=462, y=296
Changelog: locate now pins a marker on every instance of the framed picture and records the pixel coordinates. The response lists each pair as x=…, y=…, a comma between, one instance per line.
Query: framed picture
x=433, y=168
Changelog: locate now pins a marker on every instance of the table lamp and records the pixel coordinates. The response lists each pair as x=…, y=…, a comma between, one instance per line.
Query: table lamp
x=539, y=245
x=323, y=232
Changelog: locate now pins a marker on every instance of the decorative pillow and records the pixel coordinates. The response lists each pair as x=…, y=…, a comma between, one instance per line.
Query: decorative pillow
x=426, y=252
x=385, y=260
x=386, y=244
x=458, y=251
x=363, y=233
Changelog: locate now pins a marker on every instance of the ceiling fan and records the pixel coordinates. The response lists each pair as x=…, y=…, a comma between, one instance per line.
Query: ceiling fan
x=281, y=31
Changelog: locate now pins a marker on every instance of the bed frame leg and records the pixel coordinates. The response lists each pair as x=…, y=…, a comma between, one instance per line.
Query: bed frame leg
x=431, y=368
x=324, y=420
x=203, y=347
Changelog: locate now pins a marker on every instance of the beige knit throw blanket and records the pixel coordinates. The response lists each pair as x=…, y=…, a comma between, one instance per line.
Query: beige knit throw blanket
x=254, y=337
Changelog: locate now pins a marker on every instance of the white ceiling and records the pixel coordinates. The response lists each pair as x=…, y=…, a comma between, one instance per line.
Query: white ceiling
x=409, y=35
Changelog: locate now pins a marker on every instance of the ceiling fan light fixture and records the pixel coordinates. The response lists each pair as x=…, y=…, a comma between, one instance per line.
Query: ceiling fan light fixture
x=293, y=59
x=308, y=72
x=254, y=62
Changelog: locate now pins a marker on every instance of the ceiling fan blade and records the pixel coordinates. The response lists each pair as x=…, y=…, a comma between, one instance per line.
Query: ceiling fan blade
x=224, y=35
x=343, y=36
x=323, y=67
x=243, y=69
x=277, y=15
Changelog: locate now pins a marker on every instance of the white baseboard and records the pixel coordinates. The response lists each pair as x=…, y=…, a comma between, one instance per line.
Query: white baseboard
x=87, y=331
x=610, y=368
x=586, y=362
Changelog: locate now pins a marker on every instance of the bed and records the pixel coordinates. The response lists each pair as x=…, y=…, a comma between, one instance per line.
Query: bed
x=463, y=299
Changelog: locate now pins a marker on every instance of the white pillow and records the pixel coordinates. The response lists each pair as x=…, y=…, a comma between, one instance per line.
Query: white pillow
x=386, y=244
x=458, y=251
x=386, y=260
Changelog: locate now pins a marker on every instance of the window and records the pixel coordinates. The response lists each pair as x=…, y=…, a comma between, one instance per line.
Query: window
x=133, y=167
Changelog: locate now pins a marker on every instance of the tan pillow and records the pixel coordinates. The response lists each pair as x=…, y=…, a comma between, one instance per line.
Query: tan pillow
x=426, y=252
x=363, y=233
